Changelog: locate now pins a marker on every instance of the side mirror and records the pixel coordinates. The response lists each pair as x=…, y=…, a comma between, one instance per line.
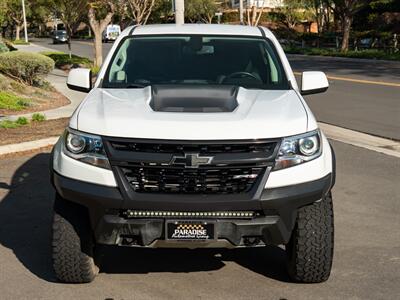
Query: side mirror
x=313, y=83
x=80, y=80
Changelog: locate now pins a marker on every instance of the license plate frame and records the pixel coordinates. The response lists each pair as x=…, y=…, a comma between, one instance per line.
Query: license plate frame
x=196, y=231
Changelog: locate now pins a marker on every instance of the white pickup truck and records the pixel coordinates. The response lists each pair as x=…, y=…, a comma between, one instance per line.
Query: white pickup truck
x=194, y=136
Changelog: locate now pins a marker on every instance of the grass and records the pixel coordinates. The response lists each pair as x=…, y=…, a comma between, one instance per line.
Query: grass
x=12, y=102
x=21, y=121
x=20, y=42
x=63, y=60
x=366, y=54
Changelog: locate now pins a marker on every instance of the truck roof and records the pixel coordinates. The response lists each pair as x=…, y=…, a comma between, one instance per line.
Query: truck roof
x=212, y=29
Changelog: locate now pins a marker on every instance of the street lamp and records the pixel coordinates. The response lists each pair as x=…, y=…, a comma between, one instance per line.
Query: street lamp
x=25, y=27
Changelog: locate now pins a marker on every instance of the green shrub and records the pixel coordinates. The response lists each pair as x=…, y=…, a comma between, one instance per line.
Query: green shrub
x=12, y=102
x=62, y=59
x=25, y=66
x=3, y=47
x=36, y=117
x=22, y=121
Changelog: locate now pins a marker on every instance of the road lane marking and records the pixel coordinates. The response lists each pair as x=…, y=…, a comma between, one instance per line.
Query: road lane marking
x=392, y=84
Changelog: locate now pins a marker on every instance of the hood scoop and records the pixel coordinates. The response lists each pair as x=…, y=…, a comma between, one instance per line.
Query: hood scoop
x=194, y=98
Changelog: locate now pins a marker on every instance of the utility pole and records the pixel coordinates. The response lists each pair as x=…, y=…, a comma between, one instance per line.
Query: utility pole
x=179, y=12
x=25, y=27
x=241, y=11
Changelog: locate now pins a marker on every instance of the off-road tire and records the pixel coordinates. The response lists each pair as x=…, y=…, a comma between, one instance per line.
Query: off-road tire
x=72, y=245
x=310, y=249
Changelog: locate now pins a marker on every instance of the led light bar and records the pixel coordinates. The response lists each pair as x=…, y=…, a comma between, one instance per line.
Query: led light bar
x=189, y=214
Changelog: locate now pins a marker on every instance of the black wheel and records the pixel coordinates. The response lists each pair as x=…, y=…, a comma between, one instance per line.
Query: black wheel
x=72, y=246
x=310, y=249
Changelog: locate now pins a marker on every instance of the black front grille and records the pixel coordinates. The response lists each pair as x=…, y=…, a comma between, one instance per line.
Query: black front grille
x=157, y=166
x=182, y=180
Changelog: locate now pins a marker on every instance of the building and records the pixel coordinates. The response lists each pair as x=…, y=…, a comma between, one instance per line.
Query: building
x=258, y=3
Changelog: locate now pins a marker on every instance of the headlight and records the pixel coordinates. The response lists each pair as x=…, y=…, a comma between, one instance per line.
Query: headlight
x=86, y=148
x=298, y=149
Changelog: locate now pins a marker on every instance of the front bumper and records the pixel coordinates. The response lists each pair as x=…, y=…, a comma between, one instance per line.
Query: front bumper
x=276, y=214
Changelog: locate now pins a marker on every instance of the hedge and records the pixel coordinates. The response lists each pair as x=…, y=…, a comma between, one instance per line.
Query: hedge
x=25, y=66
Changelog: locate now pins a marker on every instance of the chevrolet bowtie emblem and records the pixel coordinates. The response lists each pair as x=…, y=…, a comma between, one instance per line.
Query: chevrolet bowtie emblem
x=191, y=160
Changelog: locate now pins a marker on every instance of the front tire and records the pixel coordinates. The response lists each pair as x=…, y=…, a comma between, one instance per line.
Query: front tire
x=310, y=249
x=72, y=246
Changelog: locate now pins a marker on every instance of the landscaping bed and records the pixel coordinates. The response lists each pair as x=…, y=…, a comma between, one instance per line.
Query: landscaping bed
x=64, y=62
x=18, y=98
x=34, y=130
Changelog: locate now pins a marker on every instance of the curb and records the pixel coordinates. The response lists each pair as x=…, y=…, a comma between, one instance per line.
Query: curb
x=27, y=146
x=355, y=138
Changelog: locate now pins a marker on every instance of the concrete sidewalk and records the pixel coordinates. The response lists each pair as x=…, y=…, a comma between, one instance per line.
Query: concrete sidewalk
x=32, y=47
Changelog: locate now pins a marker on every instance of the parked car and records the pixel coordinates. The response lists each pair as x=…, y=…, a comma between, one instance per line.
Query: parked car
x=60, y=36
x=111, y=33
x=194, y=136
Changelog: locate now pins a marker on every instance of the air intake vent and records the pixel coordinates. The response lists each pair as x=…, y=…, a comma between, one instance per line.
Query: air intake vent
x=194, y=99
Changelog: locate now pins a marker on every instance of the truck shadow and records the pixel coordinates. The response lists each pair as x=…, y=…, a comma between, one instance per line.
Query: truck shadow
x=25, y=228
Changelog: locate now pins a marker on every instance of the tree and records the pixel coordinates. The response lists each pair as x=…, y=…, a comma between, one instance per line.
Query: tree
x=70, y=12
x=141, y=10
x=3, y=14
x=14, y=12
x=162, y=12
x=294, y=12
x=200, y=10
x=40, y=12
x=322, y=14
x=100, y=14
x=254, y=16
x=345, y=10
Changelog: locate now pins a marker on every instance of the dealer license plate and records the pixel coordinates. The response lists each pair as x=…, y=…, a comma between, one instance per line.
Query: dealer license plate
x=190, y=230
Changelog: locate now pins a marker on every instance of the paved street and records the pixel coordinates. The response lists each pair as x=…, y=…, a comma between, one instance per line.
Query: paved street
x=366, y=262
x=366, y=107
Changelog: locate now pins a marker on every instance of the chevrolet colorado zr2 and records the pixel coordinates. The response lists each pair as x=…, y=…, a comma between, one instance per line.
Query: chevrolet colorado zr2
x=193, y=136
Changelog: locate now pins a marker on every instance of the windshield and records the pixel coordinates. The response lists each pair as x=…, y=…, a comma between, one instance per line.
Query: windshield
x=250, y=62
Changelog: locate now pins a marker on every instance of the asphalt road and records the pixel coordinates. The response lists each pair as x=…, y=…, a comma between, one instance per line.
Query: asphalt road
x=367, y=107
x=366, y=260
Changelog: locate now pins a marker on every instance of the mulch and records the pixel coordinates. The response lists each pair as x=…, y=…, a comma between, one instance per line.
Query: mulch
x=48, y=100
x=33, y=131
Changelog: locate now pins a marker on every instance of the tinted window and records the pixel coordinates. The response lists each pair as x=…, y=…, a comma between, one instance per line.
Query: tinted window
x=215, y=60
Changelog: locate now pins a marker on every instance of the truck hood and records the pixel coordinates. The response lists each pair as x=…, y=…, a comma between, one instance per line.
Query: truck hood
x=128, y=113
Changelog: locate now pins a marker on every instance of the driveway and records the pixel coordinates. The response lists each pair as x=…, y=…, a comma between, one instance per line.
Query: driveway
x=366, y=261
